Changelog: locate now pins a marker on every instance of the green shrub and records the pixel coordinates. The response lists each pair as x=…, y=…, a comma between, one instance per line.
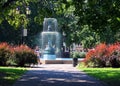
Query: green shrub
x=11, y=61
x=78, y=54
x=95, y=62
x=82, y=54
x=75, y=55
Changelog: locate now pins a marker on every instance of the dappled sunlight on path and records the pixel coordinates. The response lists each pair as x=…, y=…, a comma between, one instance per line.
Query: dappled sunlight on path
x=56, y=75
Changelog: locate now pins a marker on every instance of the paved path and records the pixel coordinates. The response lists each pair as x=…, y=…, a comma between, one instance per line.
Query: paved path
x=56, y=75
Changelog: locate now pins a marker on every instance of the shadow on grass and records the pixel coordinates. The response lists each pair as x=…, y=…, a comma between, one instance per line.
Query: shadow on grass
x=8, y=75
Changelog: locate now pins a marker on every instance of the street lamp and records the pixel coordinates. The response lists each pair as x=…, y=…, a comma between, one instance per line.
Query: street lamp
x=24, y=30
x=28, y=11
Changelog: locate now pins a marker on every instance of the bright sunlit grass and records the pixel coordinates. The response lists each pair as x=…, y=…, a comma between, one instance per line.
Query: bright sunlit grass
x=8, y=75
x=111, y=76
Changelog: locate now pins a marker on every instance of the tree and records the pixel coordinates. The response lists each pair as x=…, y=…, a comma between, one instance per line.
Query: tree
x=9, y=19
x=102, y=17
x=33, y=22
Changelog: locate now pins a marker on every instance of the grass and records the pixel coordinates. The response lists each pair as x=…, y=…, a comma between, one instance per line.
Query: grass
x=8, y=75
x=111, y=76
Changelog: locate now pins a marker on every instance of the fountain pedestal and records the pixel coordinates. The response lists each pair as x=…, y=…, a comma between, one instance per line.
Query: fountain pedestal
x=49, y=52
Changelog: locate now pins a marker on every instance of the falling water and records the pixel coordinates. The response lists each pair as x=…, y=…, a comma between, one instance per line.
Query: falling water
x=51, y=39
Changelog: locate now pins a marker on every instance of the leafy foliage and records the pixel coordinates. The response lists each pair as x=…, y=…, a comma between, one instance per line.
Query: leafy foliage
x=78, y=54
x=9, y=19
x=86, y=21
x=100, y=16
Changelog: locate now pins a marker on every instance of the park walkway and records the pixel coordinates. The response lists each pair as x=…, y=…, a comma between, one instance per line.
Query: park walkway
x=56, y=75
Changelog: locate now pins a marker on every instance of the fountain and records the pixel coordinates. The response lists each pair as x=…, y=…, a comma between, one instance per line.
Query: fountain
x=51, y=43
x=50, y=39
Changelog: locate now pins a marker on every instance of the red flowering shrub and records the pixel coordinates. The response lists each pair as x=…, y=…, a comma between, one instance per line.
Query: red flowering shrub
x=19, y=55
x=4, y=53
x=104, y=55
x=24, y=55
x=114, y=55
x=95, y=57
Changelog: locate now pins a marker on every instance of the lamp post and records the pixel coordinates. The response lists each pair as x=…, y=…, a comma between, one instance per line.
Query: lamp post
x=27, y=12
x=64, y=44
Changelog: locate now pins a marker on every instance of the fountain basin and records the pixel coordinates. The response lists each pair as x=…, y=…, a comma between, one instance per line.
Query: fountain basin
x=59, y=61
x=49, y=57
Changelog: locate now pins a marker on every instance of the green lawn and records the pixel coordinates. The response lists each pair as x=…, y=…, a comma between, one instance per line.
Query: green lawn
x=111, y=76
x=8, y=75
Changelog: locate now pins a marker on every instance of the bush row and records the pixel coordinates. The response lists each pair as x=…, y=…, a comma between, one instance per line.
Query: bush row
x=103, y=55
x=16, y=55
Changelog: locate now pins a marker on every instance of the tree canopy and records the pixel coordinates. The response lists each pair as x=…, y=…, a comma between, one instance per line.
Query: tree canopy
x=83, y=21
x=102, y=17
